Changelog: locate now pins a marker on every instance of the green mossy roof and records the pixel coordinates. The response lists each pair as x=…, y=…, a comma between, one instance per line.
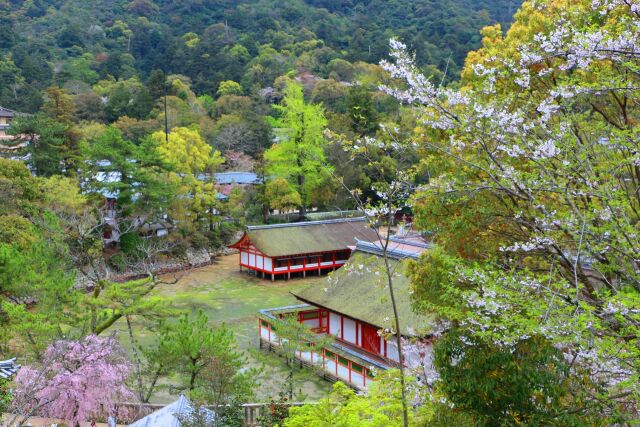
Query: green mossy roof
x=309, y=237
x=359, y=290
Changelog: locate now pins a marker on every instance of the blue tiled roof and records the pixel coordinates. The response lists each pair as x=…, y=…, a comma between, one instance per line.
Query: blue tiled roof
x=238, y=178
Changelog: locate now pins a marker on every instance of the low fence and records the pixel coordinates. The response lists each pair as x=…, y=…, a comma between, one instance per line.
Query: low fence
x=252, y=411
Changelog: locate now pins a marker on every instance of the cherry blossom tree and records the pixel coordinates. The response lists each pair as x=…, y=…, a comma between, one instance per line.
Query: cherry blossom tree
x=535, y=192
x=388, y=157
x=77, y=381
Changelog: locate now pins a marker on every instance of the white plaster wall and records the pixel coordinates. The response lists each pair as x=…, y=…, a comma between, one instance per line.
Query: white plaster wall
x=264, y=333
x=244, y=257
x=259, y=261
x=330, y=366
x=349, y=330
x=334, y=323
x=305, y=355
x=252, y=260
x=357, y=378
x=312, y=323
x=392, y=349
x=268, y=265
x=343, y=372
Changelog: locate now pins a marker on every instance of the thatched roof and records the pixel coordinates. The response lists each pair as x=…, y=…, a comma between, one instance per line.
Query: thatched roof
x=359, y=290
x=308, y=237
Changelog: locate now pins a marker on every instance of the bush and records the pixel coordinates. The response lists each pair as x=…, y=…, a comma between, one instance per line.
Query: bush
x=129, y=243
x=118, y=262
x=199, y=240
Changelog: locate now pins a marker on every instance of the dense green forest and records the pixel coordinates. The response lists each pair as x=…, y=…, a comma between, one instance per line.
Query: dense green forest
x=77, y=43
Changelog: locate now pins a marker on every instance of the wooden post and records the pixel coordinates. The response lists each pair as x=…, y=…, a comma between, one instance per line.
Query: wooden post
x=319, y=263
x=304, y=267
x=272, y=278
x=289, y=269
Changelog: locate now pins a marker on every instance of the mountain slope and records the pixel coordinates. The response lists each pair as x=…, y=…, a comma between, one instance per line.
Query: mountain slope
x=44, y=42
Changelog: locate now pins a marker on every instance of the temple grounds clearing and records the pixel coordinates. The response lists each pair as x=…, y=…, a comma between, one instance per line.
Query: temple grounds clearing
x=227, y=295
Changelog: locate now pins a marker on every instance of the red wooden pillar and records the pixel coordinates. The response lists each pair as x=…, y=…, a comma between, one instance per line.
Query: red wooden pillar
x=289, y=269
x=334, y=261
x=319, y=263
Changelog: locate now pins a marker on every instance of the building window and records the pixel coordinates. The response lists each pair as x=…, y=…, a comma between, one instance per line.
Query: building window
x=329, y=355
x=343, y=361
x=357, y=368
x=264, y=323
x=310, y=315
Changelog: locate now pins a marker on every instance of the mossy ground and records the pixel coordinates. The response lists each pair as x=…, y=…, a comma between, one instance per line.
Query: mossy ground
x=227, y=295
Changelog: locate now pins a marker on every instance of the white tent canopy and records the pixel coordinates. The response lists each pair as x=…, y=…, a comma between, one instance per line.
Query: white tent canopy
x=168, y=416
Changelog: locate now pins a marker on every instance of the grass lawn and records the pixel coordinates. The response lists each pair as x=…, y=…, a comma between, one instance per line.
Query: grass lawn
x=228, y=296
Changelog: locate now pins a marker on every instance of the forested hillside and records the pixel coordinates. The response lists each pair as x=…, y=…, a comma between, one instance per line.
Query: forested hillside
x=78, y=43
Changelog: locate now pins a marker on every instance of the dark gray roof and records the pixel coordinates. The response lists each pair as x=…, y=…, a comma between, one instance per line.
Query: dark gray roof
x=5, y=112
x=8, y=368
x=396, y=249
x=318, y=216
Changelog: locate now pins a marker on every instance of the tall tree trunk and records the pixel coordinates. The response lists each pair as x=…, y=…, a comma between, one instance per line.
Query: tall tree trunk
x=194, y=374
x=303, y=207
x=405, y=407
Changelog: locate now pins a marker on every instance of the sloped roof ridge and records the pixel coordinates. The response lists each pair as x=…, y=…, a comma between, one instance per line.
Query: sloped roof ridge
x=305, y=223
x=5, y=112
x=234, y=173
x=8, y=368
x=404, y=241
x=394, y=253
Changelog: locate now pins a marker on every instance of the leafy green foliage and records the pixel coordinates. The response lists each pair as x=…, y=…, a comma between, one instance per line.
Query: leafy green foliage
x=52, y=150
x=207, y=360
x=381, y=407
x=298, y=156
x=494, y=386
